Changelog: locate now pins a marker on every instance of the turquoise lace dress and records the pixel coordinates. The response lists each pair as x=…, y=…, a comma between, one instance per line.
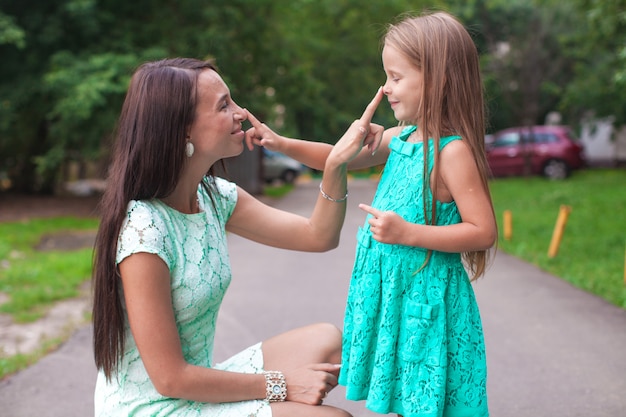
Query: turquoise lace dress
x=413, y=342
x=194, y=248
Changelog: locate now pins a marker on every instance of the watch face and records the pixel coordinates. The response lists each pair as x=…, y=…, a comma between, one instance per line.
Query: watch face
x=276, y=389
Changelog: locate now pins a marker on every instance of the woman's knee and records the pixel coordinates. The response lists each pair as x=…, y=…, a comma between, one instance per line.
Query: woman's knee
x=328, y=336
x=315, y=343
x=338, y=412
x=291, y=409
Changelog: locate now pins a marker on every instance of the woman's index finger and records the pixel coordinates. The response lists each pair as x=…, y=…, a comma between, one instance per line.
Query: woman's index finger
x=372, y=106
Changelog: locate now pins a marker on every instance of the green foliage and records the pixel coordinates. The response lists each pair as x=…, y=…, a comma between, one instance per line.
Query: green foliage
x=591, y=254
x=307, y=68
x=32, y=279
x=10, y=33
x=599, y=87
x=524, y=68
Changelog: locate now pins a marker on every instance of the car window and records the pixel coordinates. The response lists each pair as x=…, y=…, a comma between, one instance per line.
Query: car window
x=545, y=138
x=507, y=139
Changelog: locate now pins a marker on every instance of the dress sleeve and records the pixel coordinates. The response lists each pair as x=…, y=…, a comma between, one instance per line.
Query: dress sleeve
x=143, y=231
x=227, y=199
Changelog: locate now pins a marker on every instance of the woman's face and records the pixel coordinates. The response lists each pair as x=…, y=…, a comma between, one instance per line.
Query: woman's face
x=403, y=86
x=216, y=131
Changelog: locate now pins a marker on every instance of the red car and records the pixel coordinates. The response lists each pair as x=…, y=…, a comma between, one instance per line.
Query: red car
x=551, y=151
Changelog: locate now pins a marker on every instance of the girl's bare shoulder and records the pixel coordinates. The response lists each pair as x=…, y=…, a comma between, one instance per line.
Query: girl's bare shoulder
x=392, y=131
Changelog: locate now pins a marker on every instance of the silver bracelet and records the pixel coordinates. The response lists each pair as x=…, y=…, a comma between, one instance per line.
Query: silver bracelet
x=334, y=200
x=275, y=386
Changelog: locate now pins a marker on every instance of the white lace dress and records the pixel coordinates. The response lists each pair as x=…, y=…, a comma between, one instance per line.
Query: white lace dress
x=194, y=247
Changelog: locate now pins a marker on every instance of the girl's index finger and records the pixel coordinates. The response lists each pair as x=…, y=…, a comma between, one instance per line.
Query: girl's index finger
x=372, y=106
x=253, y=120
x=371, y=210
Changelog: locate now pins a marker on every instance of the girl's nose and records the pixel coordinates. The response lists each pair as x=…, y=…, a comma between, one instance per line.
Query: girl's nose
x=386, y=89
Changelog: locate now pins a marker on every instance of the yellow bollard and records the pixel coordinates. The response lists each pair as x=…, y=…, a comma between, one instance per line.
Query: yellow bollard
x=558, y=230
x=508, y=224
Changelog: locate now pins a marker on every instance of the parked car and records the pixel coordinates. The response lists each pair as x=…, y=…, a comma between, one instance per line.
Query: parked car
x=551, y=151
x=278, y=166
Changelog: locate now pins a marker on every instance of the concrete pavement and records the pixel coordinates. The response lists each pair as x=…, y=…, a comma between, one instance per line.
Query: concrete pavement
x=552, y=350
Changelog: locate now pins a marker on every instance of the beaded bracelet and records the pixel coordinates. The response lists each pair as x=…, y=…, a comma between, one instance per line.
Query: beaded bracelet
x=329, y=198
x=275, y=386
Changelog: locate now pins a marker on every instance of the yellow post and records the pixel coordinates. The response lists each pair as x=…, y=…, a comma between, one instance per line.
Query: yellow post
x=508, y=224
x=559, y=227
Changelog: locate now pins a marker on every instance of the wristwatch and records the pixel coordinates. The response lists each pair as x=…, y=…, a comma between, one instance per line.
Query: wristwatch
x=275, y=386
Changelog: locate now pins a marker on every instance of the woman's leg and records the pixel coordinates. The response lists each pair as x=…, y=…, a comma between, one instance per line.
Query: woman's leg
x=317, y=343
x=292, y=409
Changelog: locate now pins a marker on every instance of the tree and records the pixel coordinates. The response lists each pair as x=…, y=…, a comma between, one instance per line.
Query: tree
x=599, y=49
x=306, y=67
x=524, y=68
x=68, y=63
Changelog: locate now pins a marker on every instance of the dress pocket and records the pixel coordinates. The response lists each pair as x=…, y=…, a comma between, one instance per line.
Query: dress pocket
x=422, y=330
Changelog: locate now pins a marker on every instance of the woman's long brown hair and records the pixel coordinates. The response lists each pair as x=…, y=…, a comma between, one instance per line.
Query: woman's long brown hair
x=452, y=97
x=147, y=159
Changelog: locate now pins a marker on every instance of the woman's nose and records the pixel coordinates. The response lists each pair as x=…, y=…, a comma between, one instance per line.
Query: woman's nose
x=240, y=113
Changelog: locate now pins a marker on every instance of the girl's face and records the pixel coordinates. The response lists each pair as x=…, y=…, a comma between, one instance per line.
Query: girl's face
x=403, y=87
x=216, y=131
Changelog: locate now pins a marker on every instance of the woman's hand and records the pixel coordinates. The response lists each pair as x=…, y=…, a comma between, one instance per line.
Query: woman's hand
x=261, y=135
x=311, y=384
x=361, y=133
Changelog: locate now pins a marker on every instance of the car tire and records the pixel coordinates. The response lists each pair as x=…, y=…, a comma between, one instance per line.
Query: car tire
x=556, y=169
x=289, y=176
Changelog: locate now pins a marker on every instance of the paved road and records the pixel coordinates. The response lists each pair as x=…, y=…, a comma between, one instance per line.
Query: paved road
x=553, y=351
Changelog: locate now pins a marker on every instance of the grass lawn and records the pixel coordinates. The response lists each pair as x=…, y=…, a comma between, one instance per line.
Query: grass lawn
x=591, y=255
x=32, y=280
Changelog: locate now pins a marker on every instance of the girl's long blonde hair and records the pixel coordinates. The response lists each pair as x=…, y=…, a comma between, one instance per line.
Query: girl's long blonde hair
x=452, y=96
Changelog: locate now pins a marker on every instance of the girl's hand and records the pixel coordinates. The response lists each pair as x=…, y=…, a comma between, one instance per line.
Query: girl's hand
x=311, y=384
x=361, y=133
x=261, y=135
x=386, y=226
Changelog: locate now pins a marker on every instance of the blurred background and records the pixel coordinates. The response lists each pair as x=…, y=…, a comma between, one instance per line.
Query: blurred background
x=305, y=67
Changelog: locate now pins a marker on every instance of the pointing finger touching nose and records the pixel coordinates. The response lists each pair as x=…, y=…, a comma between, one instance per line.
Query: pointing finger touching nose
x=366, y=118
x=253, y=120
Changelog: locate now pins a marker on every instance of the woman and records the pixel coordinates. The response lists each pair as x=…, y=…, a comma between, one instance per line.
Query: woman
x=161, y=264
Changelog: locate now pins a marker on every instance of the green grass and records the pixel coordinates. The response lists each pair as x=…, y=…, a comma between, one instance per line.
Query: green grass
x=34, y=280
x=12, y=364
x=592, y=251
x=277, y=191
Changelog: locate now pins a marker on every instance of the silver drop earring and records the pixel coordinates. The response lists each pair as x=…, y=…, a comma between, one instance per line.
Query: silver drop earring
x=189, y=149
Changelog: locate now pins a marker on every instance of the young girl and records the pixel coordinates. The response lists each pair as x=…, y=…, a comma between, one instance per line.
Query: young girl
x=413, y=340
